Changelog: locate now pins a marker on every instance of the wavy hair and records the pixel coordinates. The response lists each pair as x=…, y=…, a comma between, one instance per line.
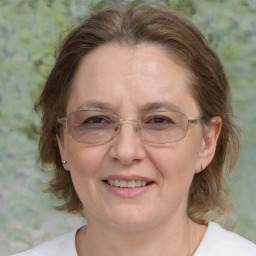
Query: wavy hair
x=209, y=195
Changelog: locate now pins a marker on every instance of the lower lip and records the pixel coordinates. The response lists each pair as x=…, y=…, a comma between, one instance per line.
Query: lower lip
x=128, y=192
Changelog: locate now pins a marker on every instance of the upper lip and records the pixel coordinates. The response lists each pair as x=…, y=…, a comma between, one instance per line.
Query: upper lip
x=127, y=178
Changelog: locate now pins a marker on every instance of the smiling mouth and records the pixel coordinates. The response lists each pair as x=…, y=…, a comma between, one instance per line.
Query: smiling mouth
x=128, y=184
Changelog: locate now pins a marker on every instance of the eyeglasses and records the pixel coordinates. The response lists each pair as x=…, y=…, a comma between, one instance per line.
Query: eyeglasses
x=95, y=127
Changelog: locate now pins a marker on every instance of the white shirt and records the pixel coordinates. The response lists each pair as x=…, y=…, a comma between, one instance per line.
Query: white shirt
x=216, y=242
x=219, y=242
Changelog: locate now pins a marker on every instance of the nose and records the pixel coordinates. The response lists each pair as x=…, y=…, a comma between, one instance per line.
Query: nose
x=127, y=147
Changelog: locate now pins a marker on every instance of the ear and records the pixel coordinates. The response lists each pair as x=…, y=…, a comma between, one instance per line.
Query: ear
x=61, y=145
x=209, y=143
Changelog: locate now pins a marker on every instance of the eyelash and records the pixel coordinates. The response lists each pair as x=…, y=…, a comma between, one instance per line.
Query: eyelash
x=157, y=118
x=88, y=120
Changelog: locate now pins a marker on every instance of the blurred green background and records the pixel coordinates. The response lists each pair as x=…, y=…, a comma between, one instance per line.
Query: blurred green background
x=30, y=32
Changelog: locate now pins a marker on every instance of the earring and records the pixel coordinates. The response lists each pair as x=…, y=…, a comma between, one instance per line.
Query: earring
x=64, y=161
x=201, y=169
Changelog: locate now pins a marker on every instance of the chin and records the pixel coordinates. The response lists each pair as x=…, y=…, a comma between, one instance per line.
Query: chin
x=129, y=219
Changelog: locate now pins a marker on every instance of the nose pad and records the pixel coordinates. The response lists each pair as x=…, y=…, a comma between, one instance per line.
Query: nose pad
x=127, y=147
x=135, y=124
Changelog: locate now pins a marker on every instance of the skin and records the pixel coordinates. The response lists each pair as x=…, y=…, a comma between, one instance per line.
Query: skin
x=155, y=222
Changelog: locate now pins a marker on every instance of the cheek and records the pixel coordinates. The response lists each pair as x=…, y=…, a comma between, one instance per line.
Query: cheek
x=83, y=159
x=84, y=164
x=175, y=170
x=176, y=164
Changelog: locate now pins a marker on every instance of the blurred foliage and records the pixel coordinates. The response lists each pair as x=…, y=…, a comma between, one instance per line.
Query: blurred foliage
x=30, y=32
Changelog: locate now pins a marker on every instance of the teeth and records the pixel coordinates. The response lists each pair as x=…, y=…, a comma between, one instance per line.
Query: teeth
x=116, y=183
x=131, y=184
x=122, y=183
x=127, y=184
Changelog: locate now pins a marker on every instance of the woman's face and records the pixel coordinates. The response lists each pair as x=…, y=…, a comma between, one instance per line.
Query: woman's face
x=123, y=81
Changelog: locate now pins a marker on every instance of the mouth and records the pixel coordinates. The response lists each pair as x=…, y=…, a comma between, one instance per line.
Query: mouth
x=131, y=184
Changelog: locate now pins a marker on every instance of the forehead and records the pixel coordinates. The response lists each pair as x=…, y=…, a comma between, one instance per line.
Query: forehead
x=129, y=77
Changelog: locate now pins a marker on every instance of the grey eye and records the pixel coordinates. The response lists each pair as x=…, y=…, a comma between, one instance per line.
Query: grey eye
x=158, y=120
x=158, y=123
x=97, y=120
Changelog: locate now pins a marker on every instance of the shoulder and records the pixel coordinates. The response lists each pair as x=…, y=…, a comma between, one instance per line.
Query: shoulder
x=63, y=245
x=220, y=242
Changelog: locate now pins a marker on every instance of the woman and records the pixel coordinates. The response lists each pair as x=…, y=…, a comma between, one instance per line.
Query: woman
x=137, y=124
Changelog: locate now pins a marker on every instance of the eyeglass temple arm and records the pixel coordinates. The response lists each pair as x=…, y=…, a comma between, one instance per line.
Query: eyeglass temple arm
x=194, y=121
x=62, y=119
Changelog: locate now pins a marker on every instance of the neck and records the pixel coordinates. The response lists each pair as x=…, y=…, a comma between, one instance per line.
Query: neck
x=173, y=238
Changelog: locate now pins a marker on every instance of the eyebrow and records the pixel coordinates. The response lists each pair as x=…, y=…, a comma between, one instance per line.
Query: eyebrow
x=96, y=105
x=146, y=108
x=160, y=105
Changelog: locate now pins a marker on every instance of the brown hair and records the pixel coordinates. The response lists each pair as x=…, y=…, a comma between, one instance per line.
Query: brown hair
x=209, y=195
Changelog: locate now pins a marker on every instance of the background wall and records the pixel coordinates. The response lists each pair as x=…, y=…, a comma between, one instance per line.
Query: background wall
x=30, y=31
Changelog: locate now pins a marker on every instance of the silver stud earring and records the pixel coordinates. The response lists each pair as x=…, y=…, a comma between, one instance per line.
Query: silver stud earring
x=64, y=161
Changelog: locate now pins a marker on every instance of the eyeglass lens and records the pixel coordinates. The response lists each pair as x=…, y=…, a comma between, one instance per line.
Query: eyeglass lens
x=93, y=127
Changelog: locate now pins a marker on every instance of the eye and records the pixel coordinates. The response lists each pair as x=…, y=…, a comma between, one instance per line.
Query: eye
x=158, y=120
x=90, y=121
x=158, y=123
x=97, y=120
